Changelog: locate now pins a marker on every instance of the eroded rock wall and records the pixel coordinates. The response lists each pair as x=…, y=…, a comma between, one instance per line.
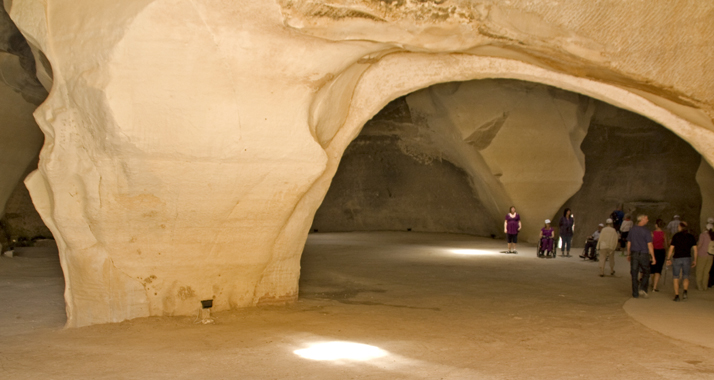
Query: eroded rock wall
x=635, y=162
x=396, y=176
x=705, y=179
x=528, y=135
x=20, y=93
x=512, y=143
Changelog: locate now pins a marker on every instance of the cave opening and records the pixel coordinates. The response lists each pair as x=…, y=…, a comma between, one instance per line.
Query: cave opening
x=454, y=156
x=411, y=220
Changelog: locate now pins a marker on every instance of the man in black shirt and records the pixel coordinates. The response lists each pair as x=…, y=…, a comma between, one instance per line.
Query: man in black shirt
x=681, y=251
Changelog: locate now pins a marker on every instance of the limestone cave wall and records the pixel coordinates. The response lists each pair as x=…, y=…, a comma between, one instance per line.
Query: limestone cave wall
x=404, y=172
x=456, y=156
x=20, y=94
x=633, y=161
x=395, y=177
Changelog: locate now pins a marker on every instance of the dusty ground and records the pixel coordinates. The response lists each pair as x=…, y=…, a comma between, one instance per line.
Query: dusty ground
x=439, y=306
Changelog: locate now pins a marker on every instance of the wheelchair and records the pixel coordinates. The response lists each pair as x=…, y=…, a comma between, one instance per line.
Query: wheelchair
x=546, y=247
x=590, y=250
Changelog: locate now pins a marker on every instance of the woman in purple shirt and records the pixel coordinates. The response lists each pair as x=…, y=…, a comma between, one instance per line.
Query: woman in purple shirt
x=511, y=227
x=566, y=232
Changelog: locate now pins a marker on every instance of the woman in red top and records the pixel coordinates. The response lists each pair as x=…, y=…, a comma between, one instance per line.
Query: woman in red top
x=659, y=243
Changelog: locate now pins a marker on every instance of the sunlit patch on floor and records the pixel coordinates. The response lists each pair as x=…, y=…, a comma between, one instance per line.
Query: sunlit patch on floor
x=472, y=252
x=341, y=351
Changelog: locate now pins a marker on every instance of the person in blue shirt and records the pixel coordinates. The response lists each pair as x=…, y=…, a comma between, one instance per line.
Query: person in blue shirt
x=640, y=254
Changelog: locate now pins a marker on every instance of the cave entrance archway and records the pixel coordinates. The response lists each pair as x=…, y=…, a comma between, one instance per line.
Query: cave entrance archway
x=419, y=163
x=342, y=108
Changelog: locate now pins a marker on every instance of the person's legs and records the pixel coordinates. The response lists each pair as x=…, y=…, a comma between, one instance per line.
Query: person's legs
x=711, y=277
x=687, y=265
x=645, y=260
x=699, y=273
x=676, y=271
x=707, y=270
x=612, y=262
x=567, y=240
x=704, y=264
x=603, y=258
x=606, y=254
x=634, y=272
x=655, y=281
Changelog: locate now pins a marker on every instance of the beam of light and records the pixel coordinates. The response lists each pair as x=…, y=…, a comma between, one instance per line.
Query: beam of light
x=341, y=351
x=462, y=251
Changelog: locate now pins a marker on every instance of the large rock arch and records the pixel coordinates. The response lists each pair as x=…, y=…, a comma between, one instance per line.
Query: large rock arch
x=399, y=74
x=188, y=144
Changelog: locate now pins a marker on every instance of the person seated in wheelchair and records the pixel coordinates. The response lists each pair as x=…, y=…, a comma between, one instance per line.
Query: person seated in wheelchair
x=590, y=251
x=545, y=240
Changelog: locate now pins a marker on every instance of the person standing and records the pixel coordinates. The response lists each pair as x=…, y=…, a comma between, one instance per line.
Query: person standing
x=511, y=227
x=704, y=257
x=681, y=250
x=617, y=216
x=566, y=232
x=606, y=245
x=673, y=226
x=659, y=243
x=640, y=254
x=625, y=230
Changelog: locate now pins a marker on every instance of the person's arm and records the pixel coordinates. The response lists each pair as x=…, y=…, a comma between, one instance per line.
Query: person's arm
x=540, y=235
x=650, y=247
x=519, y=225
x=505, y=226
x=702, y=242
x=670, y=254
x=629, y=246
x=694, y=256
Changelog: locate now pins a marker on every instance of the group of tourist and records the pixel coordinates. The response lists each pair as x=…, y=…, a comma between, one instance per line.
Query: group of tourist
x=647, y=251
x=512, y=226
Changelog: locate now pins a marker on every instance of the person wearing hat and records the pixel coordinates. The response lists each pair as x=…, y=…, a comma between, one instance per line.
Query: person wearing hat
x=590, y=252
x=607, y=245
x=704, y=257
x=673, y=226
x=549, y=233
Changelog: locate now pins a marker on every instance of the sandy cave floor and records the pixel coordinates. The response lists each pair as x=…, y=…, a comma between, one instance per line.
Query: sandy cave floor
x=437, y=306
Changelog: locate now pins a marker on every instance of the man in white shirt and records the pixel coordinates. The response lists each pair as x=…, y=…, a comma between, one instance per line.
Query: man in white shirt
x=606, y=244
x=673, y=226
x=591, y=244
